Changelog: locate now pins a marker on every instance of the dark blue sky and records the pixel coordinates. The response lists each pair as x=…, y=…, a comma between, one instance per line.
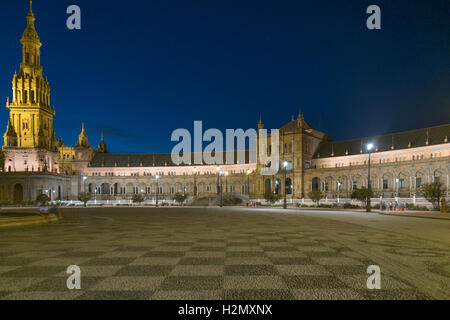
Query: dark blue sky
x=140, y=69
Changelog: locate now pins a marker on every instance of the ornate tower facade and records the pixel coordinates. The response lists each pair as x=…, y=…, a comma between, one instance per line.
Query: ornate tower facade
x=31, y=116
x=30, y=143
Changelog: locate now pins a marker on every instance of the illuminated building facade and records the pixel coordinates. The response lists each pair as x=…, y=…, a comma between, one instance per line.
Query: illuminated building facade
x=36, y=162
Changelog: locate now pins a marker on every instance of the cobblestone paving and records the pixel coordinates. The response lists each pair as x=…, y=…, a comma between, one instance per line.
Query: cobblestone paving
x=189, y=253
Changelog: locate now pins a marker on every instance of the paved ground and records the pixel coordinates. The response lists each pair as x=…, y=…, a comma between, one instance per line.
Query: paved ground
x=200, y=253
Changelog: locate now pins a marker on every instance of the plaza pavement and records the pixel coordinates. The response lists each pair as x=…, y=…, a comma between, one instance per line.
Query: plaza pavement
x=212, y=253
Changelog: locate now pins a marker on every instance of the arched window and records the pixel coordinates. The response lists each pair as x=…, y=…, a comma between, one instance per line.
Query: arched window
x=315, y=183
x=288, y=186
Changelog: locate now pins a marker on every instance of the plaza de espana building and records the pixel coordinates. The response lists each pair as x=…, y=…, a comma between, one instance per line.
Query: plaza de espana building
x=36, y=161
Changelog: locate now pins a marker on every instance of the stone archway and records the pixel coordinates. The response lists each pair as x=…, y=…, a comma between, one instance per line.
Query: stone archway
x=18, y=193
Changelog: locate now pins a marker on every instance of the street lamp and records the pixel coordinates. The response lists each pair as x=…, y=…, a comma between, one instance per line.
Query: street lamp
x=285, y=163
x=248, y=182
x=84, y=183
x=339, y=191
x=195, y=170
x=226, y=181
x=369, y=186
x=157, y=189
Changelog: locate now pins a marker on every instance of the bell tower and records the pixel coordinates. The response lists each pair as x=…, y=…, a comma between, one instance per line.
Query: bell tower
x=30, y=142
x=31, y=115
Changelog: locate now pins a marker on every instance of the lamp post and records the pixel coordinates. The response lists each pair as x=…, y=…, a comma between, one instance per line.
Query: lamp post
x=248, y=182
x=397, y=180
x=339, y=191
x=218, y=181
x=226, y=181
x=285, y=163
x=157, y=189
x=369, y=185
x=221, y=189
x=195, y=180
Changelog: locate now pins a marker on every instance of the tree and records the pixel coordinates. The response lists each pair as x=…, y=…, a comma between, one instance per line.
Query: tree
x=179, y=197
x=84, y=197
x=271, y=197
x=315, y=196
x=433, y=192
x=137, y=198
x=362, y=194
x=42, y=199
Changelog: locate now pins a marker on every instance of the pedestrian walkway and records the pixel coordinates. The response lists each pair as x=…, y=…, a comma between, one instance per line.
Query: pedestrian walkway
x=417, y=214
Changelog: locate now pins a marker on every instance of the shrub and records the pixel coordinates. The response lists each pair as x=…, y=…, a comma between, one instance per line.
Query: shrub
x=433, y=192
x=180, y=197
x=84, y=197
x=315, y=196
x=362, y=194
x=271, y=197
x=231, y=200
x=137, y=198
x=411, y=206
x=351, y=206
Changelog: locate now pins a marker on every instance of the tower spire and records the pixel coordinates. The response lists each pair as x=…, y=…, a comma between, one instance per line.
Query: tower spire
x=260, y=123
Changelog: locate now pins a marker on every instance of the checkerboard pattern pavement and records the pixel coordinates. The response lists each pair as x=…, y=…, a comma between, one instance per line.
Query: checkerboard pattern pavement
x=191, y=257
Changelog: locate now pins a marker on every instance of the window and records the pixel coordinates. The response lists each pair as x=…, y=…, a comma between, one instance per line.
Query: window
x=401, y=183
x=385, y=184
x=354, y=185
x=307, y=164
x=418, y=182
x=315, y=183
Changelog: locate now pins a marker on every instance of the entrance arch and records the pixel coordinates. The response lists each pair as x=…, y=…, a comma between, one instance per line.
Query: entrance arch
x=18, y=193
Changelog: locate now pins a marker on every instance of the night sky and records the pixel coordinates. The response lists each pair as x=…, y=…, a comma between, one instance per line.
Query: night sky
x=140, y=69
